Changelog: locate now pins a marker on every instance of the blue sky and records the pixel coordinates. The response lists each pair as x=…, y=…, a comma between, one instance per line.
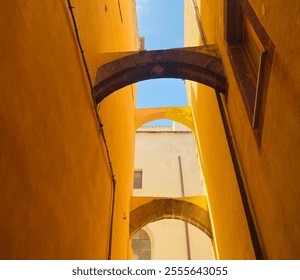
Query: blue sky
x=161, y=23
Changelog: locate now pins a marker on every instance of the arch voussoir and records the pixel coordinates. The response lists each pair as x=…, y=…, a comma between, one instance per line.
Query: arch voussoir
x=199, y=66
x=169, y=208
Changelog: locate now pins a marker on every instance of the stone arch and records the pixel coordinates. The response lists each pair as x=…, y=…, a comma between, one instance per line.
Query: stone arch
x=200, y=64
x=181, y=114
x=169, y=208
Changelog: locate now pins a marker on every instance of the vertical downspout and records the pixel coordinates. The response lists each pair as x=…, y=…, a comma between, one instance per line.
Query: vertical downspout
x=120, y=11
x=259, y=254
x=188, y=245
x=100, y=124
x=197, y=15
x=111, y=220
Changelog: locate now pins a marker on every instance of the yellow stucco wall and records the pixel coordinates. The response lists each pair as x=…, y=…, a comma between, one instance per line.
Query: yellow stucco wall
x=230, y=233
x=271, y=170
x=55, y=182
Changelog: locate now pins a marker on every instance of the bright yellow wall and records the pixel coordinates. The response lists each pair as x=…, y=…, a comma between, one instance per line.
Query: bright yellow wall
x=230, y=232
x=55, y=182
x=271, y=170
x=229, y=223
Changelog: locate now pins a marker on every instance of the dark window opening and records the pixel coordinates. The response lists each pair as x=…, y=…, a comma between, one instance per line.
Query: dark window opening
x=138, y=179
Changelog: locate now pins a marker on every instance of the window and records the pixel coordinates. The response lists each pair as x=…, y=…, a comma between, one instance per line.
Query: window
x=252, y=45
x=251, y=53
x=138, y=179
x=141, y=245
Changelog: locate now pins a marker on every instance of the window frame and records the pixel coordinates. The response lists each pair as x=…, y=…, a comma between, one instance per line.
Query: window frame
x=253, y=89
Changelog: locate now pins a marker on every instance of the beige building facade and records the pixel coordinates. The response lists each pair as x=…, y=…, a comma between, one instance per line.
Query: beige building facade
x=166, y=159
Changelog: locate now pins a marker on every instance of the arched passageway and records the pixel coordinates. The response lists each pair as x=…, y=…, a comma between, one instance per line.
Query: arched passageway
x=200, y=64
x=169, y=208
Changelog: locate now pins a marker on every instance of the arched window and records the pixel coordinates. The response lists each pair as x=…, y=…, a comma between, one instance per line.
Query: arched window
x=141, y=245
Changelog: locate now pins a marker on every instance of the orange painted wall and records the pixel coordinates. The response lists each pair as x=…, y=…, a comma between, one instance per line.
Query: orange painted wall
x=271, y=169
x=55, y=182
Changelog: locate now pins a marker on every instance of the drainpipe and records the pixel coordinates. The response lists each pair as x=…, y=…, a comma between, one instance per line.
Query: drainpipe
x=256, y=243
x=111, y=220
x=100, y=124
x=197, y=15
x=187, y=235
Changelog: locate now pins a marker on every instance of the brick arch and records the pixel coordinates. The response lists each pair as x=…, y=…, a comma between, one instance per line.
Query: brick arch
x=200, y=64
x=169, y=208
x=179, y=114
